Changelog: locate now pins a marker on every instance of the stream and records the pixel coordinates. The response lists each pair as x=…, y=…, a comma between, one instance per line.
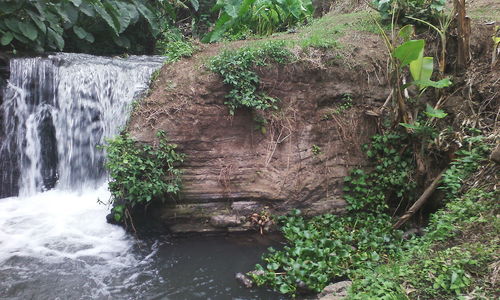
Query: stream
x=54, y=239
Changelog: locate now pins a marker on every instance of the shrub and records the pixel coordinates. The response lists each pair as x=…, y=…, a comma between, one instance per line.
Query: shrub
x=389, y=181
x=261, y=17
x=427, y=10
x=236, y=69
x=141, y=173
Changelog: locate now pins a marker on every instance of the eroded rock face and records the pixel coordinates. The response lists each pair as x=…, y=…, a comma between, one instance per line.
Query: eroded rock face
x=233, y=167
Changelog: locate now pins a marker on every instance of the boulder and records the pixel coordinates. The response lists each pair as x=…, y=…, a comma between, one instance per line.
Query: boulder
x=335, y=291
x=495, y=154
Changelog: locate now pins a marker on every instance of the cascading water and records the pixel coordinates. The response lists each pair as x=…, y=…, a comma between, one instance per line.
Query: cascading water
x=54, y=241
x=58, y=109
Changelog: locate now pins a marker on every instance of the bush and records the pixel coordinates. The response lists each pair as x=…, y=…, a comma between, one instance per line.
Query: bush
x=427, y=10
x=236, y=69
x=262, y=17
x=389, y=181
x=141, y=173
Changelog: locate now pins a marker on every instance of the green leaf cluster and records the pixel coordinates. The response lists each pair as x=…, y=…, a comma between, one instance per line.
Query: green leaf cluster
x=236, y=67
x=411, y=53
x=326, y=248
x=141, y=173
x=51, y=25
x=428, y=10
x=389, y=182
x=262, y=17
x=447, y=262
x=429, y=267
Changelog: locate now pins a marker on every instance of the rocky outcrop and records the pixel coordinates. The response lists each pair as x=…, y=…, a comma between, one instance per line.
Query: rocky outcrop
x=234, y=167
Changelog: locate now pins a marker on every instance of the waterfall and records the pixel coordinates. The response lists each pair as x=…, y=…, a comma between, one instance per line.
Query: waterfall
x=56, y=110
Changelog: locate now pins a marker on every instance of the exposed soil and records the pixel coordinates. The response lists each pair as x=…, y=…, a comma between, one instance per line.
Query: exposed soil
x=234, y=169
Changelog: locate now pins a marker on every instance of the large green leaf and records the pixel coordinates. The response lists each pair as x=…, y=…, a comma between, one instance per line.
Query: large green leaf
x=124, y=15
x=195, y=4
x=69, y=12
x=435, y=84
x=101, y=11
x=83, y=34
x=421, y=68
x=20, y=37
x=232, y=8
x=221, y=26
x=28, y=30
x=148, y=15
x=55, y=38
x=6, y=38
x=132, y=12
x=76, y=3
x=409, y=51
x=12, y=24
x=10, y=6
x=38, y=21
x=115, y=15
x=87, y=9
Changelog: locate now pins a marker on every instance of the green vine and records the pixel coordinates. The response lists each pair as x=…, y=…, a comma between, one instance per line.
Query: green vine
x=389, y=181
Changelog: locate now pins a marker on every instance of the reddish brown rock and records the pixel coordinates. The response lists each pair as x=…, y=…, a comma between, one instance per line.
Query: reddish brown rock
x=230, y=161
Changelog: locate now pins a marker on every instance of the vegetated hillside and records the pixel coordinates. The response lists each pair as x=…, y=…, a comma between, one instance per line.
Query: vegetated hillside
x=293, y=157
x=329, y=82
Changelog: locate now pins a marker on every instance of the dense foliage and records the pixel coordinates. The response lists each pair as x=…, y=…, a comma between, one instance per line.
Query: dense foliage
x=261, y=17
x=389, y=182
x=236, y=67
x=442, y=265
x=141, y=173
x=363, y=246
x=77, y=25
x=328, y=248
x=427, y=10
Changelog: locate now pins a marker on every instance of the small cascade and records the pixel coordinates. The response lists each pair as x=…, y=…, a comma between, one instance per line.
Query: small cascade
x=56, y=110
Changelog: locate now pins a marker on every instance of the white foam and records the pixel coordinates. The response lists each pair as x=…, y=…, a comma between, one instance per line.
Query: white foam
x=57, y=225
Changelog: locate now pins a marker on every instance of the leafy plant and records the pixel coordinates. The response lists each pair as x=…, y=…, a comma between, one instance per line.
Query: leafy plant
x=444, y=22
x=390, y=180
x=236, y=69
x=467, y=161
x=428, y=10
x=175, y=48
x=141, y=173
x=325, y=248
x=316, y=150
x=261, y=17
x=48, y=25
x=438, y=265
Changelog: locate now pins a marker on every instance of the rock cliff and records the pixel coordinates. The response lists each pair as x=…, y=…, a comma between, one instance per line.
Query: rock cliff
x=234, y=167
